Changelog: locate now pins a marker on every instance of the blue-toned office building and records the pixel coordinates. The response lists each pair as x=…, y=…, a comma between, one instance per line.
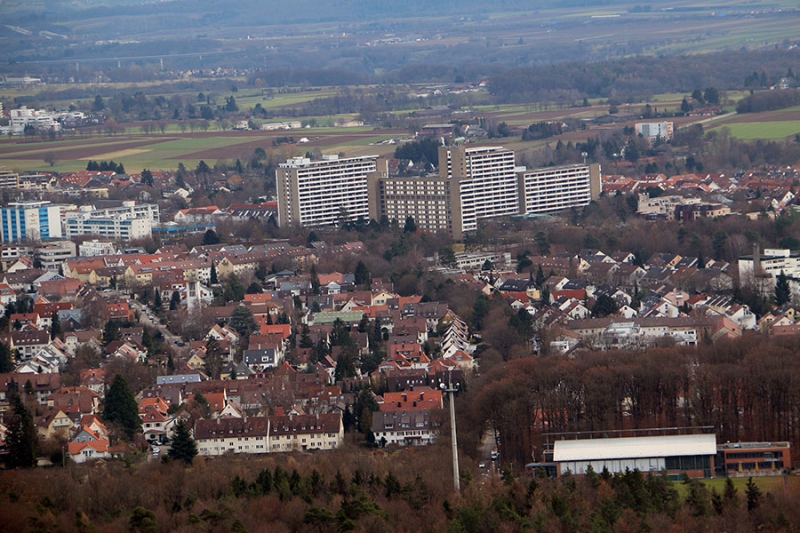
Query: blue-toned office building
x=30, y=222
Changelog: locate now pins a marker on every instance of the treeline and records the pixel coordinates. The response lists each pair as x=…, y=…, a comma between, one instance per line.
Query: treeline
x=768, y=101
x=424, y=151
x=106, y=165
x=352, y=490
x=636, y=76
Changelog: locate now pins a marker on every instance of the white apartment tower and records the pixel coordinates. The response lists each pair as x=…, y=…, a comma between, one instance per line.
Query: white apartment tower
x=319, y=193
x=488, y=184
x=543, y=190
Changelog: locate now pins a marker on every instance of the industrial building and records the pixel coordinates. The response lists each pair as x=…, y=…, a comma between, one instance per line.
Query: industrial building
x=677, y=454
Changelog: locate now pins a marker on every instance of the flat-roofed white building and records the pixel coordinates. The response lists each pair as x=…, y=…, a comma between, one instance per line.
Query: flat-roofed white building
x=319, y=193
x=95, y=248
x=488, y=187
x=130, y=221
x=653, y=130
x=677, y=454
x=543, y=190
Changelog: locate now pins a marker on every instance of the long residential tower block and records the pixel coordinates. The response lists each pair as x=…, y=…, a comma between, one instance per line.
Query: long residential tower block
x=321, y=193
x=473, y=183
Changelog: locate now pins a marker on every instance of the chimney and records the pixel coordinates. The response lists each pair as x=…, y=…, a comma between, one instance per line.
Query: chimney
x=756, y=259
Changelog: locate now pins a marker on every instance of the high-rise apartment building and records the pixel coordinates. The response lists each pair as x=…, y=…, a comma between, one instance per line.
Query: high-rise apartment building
x=543, y=190
x=472, y=184
x=488, y=181
x=434, y=202
x=30, y=221
x=320, y=193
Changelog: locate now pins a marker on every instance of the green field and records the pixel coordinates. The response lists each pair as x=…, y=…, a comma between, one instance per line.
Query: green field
x=762, y=130
x=773, y=484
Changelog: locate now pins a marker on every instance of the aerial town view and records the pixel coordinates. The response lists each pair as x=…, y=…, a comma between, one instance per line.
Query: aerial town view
x=458, y=267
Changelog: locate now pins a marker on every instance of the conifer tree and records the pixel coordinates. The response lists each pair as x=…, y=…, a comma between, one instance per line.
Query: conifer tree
x=121, y=407
x=6, y=360
x=783, y=293
x=184, y=448
x=21, y=439
x=157, y=301
x=55, y=325
x=174, y=301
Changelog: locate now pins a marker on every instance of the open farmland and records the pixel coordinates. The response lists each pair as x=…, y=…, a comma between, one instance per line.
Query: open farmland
x=165, y=151
x=769, y=125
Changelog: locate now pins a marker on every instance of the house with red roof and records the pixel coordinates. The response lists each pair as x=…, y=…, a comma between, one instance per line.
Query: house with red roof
x=419, y=398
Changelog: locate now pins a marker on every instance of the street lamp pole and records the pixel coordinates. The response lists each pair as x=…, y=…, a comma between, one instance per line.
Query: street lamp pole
x=452, y=390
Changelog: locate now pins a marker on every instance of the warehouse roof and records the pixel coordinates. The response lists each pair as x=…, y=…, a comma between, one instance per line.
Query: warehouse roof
x=634, y=447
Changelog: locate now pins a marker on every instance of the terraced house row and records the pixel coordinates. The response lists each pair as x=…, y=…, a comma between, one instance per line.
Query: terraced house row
x=261, y=434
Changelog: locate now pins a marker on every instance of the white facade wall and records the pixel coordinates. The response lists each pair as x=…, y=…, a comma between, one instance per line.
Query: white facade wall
x=315, y=193
x=233, y=444
x=556, y=188
x=96, y=248
x=490, y=188
x=131, y=221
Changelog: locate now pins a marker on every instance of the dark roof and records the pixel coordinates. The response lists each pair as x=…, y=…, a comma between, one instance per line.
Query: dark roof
x=255, y=426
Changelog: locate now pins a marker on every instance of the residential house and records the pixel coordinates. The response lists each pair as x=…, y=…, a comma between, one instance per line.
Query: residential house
x=416, y=399
x=306, y=432
x=54, y=423
x=404, y=427
x=232, y=435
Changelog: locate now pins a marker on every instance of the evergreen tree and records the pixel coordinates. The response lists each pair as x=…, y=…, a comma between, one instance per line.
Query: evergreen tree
x=121, y=407
x=604, y=306
x=55, y=325
x=147, y=341
x=305, y=338
x=174, y=301
x=110, y=331
x=213, y=278
x=6, y=360
x=157, y=301
x=183, y=447
x=783, y=293
x=147, y=178
x=210, y=237
x=362, y=275
x=21, y=439
x=345, y=366
x=234, y=289
x=315, y=280
x=730, y=494
x=242, y=321
x=753, y=495
x=410, y=226
x=213, y=358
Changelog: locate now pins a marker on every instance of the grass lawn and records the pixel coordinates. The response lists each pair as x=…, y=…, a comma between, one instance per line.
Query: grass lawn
x=762, y=130
x=766, y=484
